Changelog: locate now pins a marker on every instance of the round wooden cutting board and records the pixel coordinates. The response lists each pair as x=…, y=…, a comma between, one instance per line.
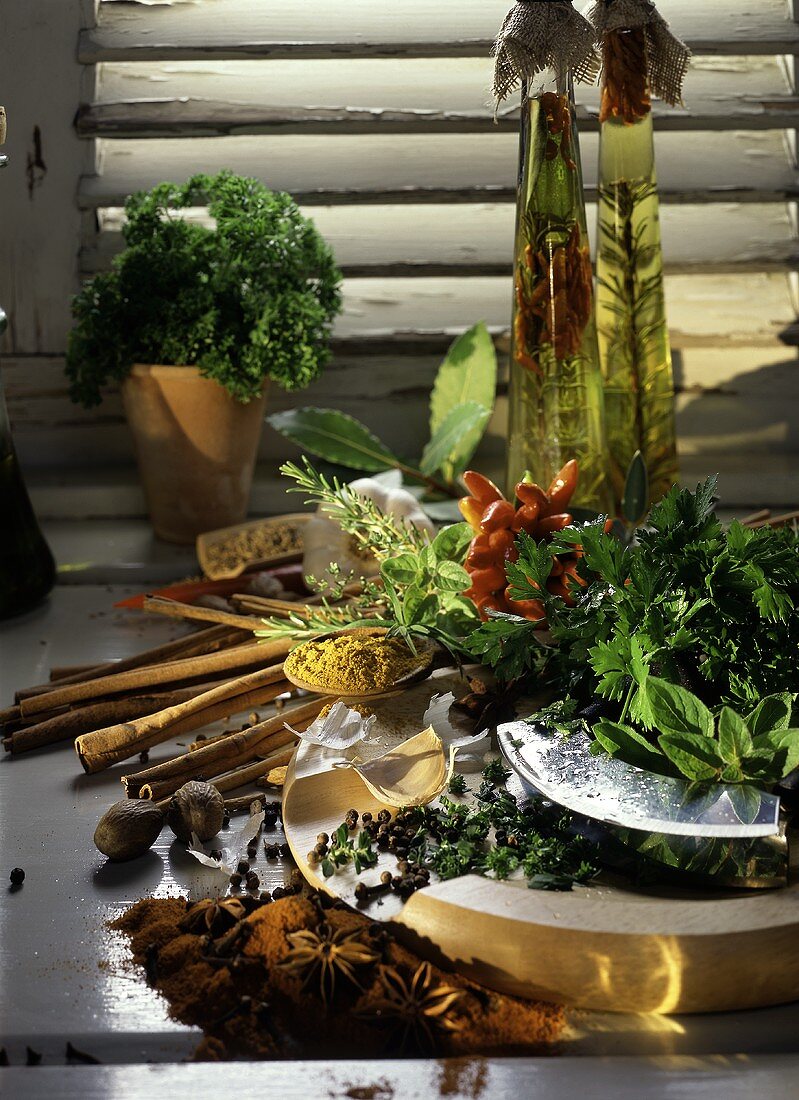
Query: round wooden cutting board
x=604, y=946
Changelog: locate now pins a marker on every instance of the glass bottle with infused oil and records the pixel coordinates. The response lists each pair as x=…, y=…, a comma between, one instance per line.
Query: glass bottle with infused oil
x=630, y=303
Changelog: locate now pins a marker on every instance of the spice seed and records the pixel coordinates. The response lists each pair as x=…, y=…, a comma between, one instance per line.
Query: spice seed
x=17, y=876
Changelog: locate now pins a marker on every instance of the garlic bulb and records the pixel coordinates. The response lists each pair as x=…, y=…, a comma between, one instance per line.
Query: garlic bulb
x=325, y=543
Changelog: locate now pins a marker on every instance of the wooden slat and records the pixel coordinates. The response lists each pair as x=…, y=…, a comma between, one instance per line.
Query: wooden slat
x=327, y=169
x=478, y=239
x=714, y=86
x=362, y=28
x=725, y=331
x=203, y=118
x=748, y=480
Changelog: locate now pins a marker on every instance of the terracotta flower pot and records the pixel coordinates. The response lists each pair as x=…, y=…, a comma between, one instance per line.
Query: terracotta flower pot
x=196, y=447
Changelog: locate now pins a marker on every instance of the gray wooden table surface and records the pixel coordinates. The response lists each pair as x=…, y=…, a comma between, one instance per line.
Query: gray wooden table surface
x=65, y=976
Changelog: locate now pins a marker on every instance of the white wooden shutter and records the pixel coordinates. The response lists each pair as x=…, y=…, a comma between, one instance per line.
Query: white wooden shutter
x=376, y=117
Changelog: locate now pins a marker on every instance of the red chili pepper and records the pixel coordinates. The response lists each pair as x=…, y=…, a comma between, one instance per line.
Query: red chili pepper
x=482, y=488
x=491, y=603
x=531, y=494
x=530, y=609
x=570, y=570
x=550, y=524
x=471, y=511
x=498, y=515
x=500, y=542
x=480, y=553
x=526, y=519
x=556, y=587
x=492, y=579
x=562, y=487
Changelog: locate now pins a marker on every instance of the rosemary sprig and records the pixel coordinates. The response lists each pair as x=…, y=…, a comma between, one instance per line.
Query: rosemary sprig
x=372, y=529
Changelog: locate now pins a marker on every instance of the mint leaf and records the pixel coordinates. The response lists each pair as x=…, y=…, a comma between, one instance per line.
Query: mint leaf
x=402, y=569
x=467, y=374
x=334, y=436
x=677, y=711
x=775, y=754
x=735, y=741
x=771, y=713
x=624, y=742
x=452, y=543
x=451, y=577
x=446, y=445
x=694, y=754
x=746, y=803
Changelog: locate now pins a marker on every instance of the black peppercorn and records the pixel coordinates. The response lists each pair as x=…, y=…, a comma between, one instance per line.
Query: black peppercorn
x=243, y=867
x=265, y=895
x=366, y=817
x=270, y=819
x=278, y=893
x=17, y=876
x=252, y=881
x=235, y=879
x=284, y=850
x=384, y=816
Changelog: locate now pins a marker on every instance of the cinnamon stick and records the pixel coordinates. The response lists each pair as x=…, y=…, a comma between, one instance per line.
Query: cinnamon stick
x=161, y=792
x=108, y=746
x=70, y=723
x=174, y=609
x=191, y=645
x=230, y=752
x=231, y=660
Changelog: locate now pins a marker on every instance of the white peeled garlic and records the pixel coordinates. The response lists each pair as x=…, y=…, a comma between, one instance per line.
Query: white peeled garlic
x=412, y=774
x=325, y=543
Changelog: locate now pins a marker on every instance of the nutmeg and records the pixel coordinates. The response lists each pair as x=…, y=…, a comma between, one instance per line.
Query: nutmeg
x=196, y=808
x=128, y=828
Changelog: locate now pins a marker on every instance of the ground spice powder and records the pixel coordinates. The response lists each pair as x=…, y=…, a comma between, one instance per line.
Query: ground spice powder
x=250, y=1003
x=352, y=663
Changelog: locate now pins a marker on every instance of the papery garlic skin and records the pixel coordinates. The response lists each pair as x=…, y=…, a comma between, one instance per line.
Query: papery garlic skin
x=325, y=542
x=340, y=728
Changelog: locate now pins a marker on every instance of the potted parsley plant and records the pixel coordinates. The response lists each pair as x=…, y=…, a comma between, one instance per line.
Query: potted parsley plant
x=194, y=321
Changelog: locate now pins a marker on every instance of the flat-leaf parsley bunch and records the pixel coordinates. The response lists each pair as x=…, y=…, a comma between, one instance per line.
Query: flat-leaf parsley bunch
x=688, y=631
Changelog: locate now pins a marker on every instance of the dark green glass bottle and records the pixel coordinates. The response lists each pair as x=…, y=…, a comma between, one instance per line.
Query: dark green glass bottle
x=27, y=569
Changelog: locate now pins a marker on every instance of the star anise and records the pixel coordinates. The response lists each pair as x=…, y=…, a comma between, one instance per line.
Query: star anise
x=213, y=916
x=327, y=952
x=416, y=1006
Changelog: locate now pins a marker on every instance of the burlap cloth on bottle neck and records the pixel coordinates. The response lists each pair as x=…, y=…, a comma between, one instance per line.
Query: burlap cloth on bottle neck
x=538, y=35
x=667, y=56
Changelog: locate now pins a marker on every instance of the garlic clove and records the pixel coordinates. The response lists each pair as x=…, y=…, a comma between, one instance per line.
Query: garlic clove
x=412, y=774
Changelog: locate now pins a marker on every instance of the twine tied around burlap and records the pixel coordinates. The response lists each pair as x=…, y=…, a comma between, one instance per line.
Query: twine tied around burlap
x=667, y=56
x=538, y=35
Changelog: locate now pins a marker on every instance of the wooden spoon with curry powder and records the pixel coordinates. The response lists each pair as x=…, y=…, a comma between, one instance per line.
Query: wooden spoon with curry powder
x=297, y=670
